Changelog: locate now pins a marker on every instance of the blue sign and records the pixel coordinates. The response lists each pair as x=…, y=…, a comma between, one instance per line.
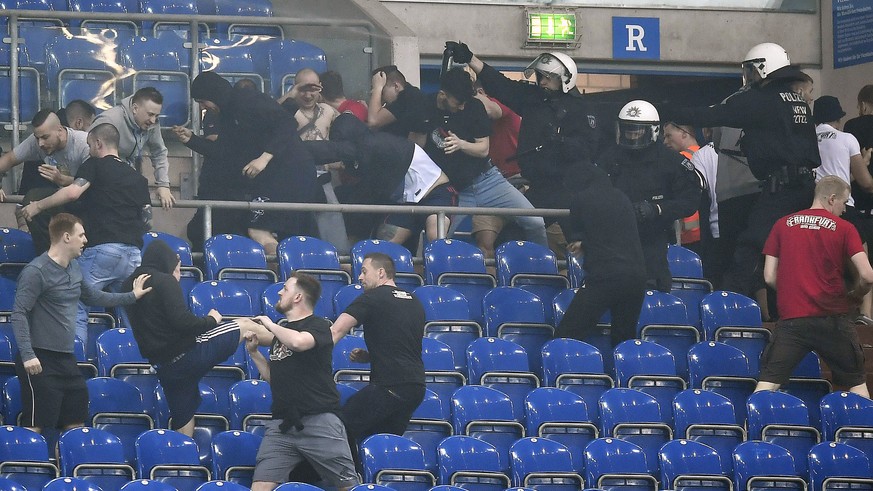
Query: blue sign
x=636, y=38
x=853, y=25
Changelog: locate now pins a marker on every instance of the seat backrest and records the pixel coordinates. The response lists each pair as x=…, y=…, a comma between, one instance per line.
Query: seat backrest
x=436, y=355
x=248, y=397
x=696, y=406
x=687, y=457
x=479, y=403
x=549, y=405
x=116, y=346
x=147, y=485
x=269, y=297
x=209, y=403
x=506, y=304
x=181, y=246
x=431, y=407
x=451, y=256
x=768, y=407
x=757, y=458
x=384, y=451
x=662, y=308
x=16, y=246
x=345, y=296
x=832, y=459
x=721, y=308
x=70, y=484
x=494, y=355
x=809, y=367
x=465, y=453
x=636, y=357
x=224, y=296
x=612, y=456
x=233, y=448
x=536, y=455
x=442, y=303
x=711, y=358
x=302, y=252
x=521, y=257
x=401, y=255
x=844, y=409
x=21, y=444
x=10, y=485
x=232, y=251
x=287, y=57
x=564, y=355
x=627, y=406
x=164, y=447
x=162, y=53
x=343, y=348
x=116, y=6
x=561, y=302
x=683, y=262
x=88, y=446
x=111, y=395
x=217, y=485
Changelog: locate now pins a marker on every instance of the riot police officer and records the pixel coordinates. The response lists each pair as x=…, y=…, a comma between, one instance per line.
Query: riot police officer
x=558, y=128
x=660, y=183
x=780, y=144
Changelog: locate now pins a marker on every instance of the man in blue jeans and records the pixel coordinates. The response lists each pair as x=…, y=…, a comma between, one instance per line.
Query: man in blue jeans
x=453, y=128
x=115, y=207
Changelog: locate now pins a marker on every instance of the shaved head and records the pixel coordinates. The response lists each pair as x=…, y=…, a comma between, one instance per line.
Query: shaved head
x=50, y=135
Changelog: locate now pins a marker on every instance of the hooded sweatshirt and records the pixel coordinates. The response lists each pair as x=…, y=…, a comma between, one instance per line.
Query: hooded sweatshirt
x=162, y=324
x=134, y=140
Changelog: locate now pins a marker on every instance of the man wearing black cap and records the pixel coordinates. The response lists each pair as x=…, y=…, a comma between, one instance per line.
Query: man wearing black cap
x=252, y=128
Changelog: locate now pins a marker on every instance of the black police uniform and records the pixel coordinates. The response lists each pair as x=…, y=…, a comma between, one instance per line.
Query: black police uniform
x=655, y=175
x=557, y=131
x=780, y=144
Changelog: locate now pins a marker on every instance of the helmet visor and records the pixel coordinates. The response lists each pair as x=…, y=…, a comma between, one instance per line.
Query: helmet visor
x=632, y=134
x=547, y=66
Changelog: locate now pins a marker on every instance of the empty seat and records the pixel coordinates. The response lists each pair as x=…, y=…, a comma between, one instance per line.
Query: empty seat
x=723, y=369
x=70, y=484
x=577, y=367
x=518, y=315
x=460, y=266
x=118, y=357
x=157, y=63
x=687, y=465
x=428, y=426
x=448, y=320
x=210, y=419
x=689, y=284
x=345, y=370
x=735, y=320
x=117, y=406
x=486, y=414
x=540, y=463
x=247, y=8
x=80, y=69
x=835, y=465
x=561, y=416
x=319, y=259
x=615, y=464
x=109, y=6
x=176, y=7
x=225, y=296
x=650, y=368
x=470, y=463
x=531, y=267
x=783, y=419
x=760, y=464
x=440, y=374
x=709, y=418
x=664, y=319
x=502, y=365
x=239, y=259
x=635, y=417
x=147, y=485
x=24, y=457
x=250, y=403
x=170, y=457
x=847, y=417
x=233, y=456
x=28, y=85
x=16, y=250
x=396, y=462
x=96, y=456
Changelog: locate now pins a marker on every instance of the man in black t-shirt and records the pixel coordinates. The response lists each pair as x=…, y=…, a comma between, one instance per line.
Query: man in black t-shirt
x=454, y=129
x=116, y=210
x=305, y=426
x=392, y=99
x=393, y=322
x=603, y=227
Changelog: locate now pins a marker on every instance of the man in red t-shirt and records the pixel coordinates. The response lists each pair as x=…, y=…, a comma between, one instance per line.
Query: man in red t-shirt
x=805, y=260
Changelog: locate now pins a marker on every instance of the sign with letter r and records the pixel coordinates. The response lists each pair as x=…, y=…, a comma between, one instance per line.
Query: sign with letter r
x=636, y=38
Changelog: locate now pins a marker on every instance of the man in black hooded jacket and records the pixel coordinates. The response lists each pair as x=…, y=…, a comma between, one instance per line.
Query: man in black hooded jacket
x=180, y=345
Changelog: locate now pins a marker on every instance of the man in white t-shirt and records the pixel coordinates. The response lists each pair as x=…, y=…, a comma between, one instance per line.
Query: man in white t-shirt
x=841, y=156
x=61, y=151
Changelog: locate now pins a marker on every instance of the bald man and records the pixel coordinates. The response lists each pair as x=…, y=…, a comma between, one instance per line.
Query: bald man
x=61, y=151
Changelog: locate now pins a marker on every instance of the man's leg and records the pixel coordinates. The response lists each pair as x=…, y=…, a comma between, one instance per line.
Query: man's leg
x=265, y=238
x=580, y=320
x=494, y=191
x=861, y=390
x=393, y=233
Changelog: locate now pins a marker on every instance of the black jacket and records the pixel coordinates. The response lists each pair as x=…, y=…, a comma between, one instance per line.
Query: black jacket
x=162, y=324
x=557, y=130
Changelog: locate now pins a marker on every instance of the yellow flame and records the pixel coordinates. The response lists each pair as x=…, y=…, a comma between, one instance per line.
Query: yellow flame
x=105, y=39
x=210, y=61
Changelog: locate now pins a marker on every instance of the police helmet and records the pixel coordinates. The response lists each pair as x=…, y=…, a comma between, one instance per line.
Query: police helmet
x=764, y=59
x=638, y=126
x=554, y=64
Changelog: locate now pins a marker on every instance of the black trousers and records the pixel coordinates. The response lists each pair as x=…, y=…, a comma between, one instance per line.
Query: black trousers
x=621, y=294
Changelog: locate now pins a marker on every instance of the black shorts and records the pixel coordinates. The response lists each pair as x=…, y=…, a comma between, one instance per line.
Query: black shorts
x=442, y=195
x=834, y=338
x=376, y=409
x=55, y=398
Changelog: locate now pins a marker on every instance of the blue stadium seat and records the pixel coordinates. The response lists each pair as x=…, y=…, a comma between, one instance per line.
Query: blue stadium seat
x=405, y=278
x=109, y=6
x=764, y=465
x=543, y=464
x=780, y=418
x=70, y=484
x=395, y=462
x=806, y=383
x=12, y=404
x=706, y=417
x=345, y=296
x=734, y=319
x=10, y=485
x=835, y=465
x=518, y=315
x=577, y=367
x=234, y=60
x=157, y=63
x=117, y=407
x=471, y=464
x=8, y=352
x=531, y=267
x=16, y=250
x=238, y=259
x=269, y=298
x=118, y=357
x=170, y=457
x=233, y=456
x=847, y=417
x=635, y=417
x=448, y=320
x=575, y=270
x=209, y=420
x=611, y=463
x=723, y=369
x=561, y=416
x=428, y=426
x=286, y=58
x=664, y=320
x=688, y=465
x=688, y=281
x=248, y=8
x=96, y=456
x=24, y=457
x=346, y=371
x=561, y=303
x=173, y=7
x=460, y=266
x=250, y=402
x=486, y=414
x=299, y=486
x=78, y=69
x=440, y=374
x=650, y=368
x=502, y=365
x=29, y=102
x=147, y=485
x=222, y=486
x=225, y=296
x=319, y=259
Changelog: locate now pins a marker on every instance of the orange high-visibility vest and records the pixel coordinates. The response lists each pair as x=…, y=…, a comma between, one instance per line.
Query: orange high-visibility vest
x=690, y=225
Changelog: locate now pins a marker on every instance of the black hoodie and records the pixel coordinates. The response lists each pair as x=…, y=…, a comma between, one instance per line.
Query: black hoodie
x=162, y=324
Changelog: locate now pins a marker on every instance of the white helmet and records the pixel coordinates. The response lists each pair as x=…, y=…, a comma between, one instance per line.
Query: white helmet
x=552, y=64
x=638, y=126
x=764, y=59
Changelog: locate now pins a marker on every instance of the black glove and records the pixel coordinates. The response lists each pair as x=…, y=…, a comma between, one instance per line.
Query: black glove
x=460, y=52
x=645, y=211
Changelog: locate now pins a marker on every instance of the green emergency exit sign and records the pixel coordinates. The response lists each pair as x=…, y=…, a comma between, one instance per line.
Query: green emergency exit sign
x=551, y=27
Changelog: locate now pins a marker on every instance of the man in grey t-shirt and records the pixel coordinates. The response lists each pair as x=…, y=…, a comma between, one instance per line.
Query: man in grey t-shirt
x=61, y=151
x=53, y=391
